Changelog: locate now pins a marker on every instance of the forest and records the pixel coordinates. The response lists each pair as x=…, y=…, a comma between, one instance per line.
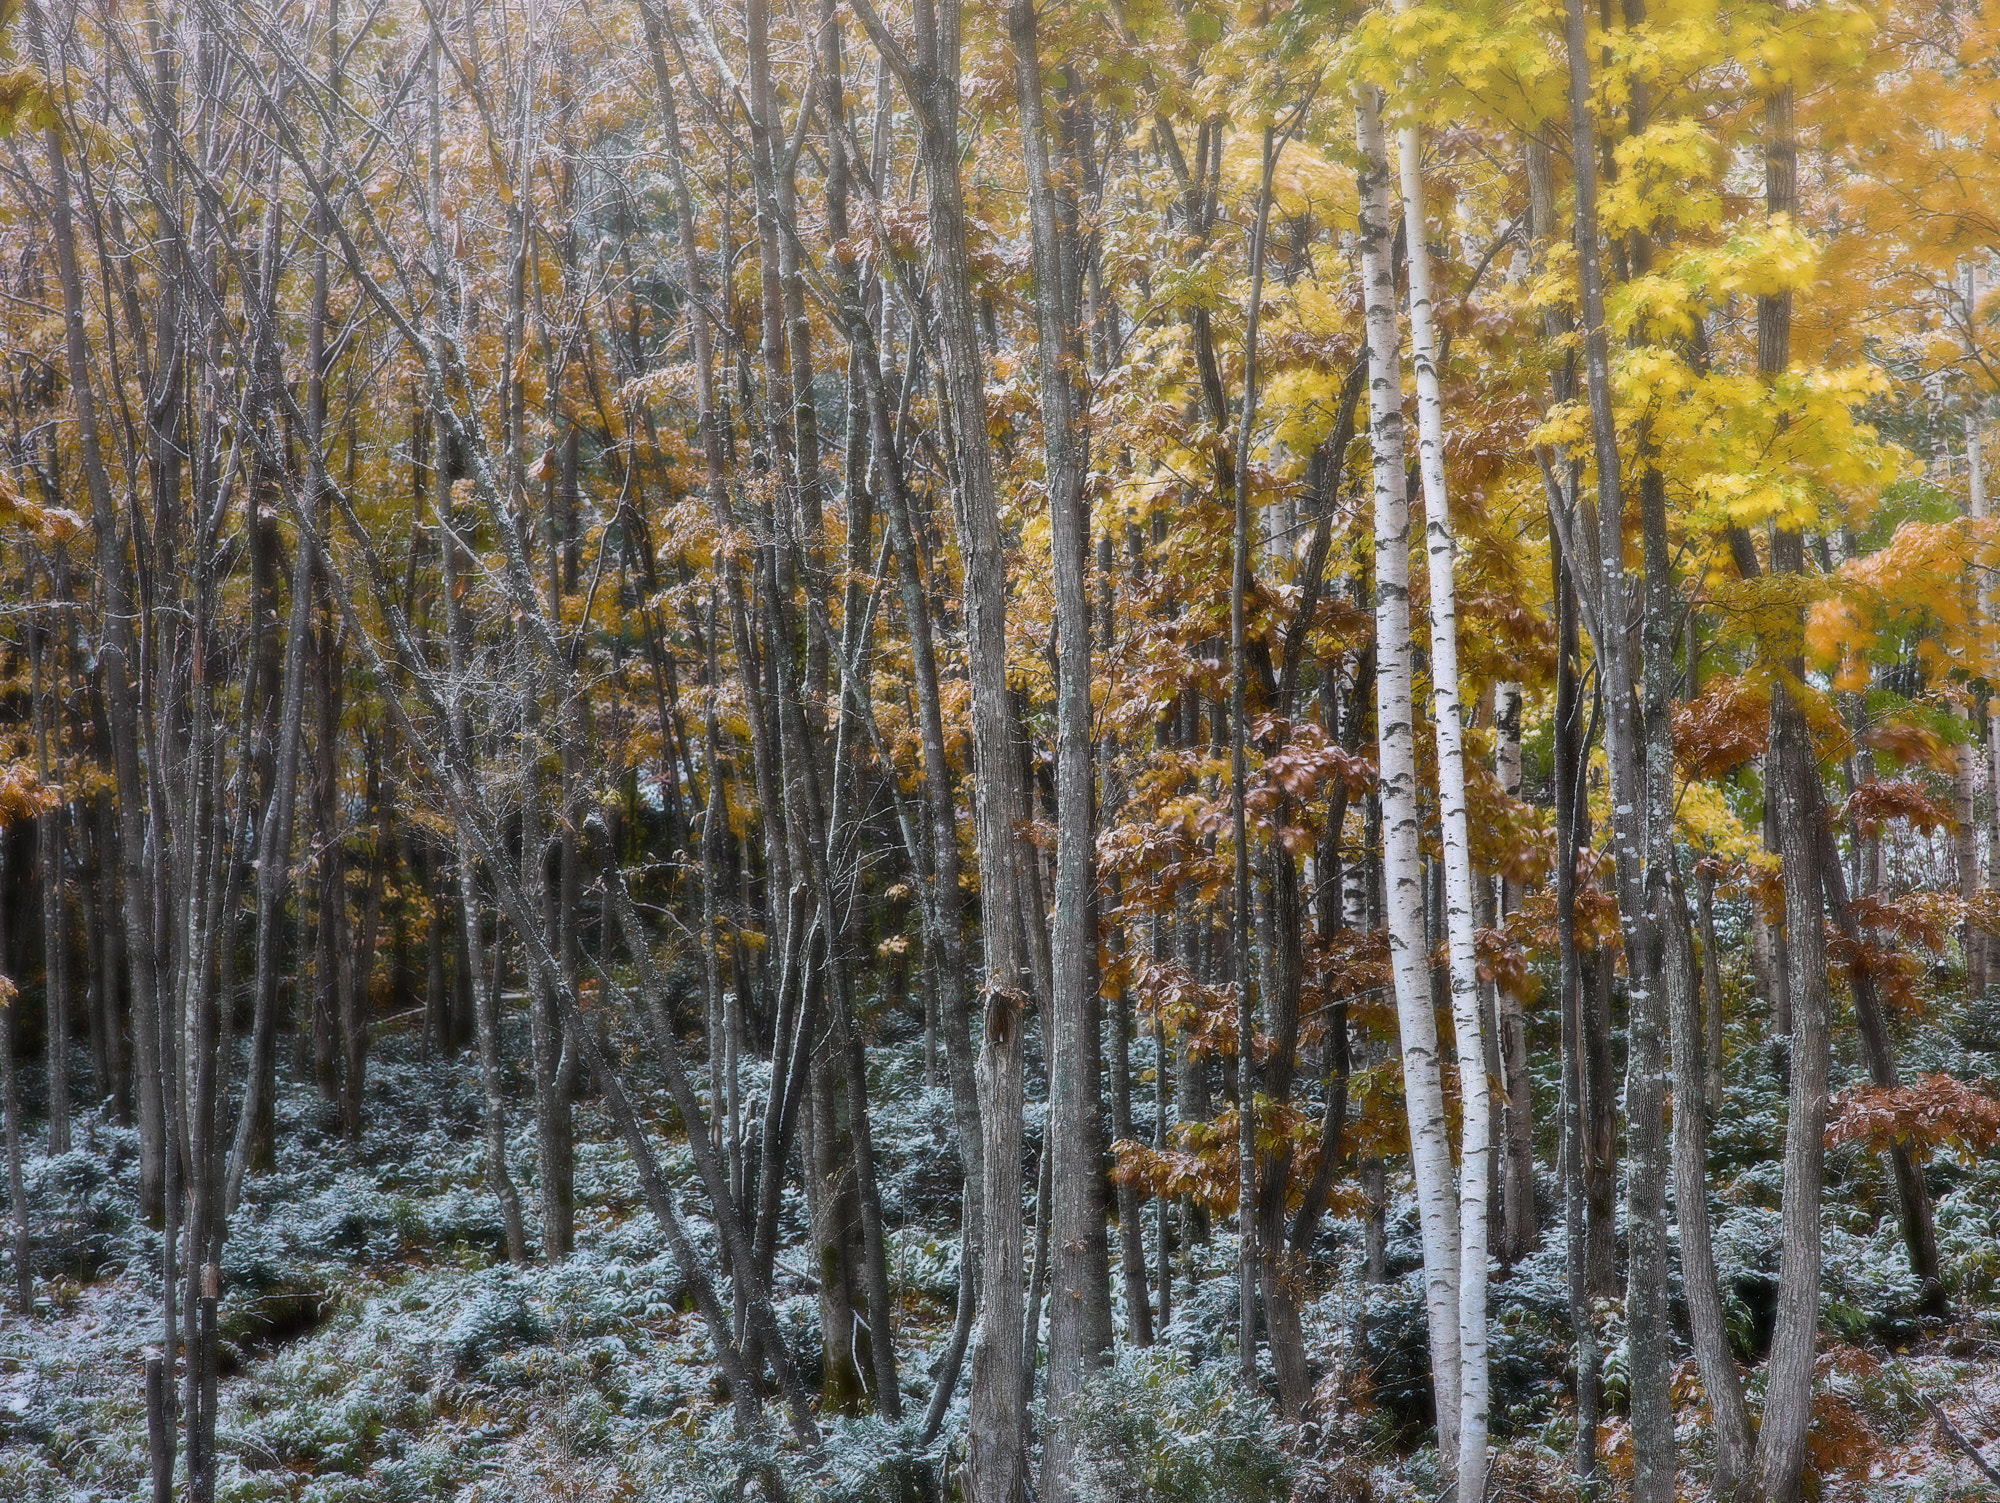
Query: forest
x=898, y=751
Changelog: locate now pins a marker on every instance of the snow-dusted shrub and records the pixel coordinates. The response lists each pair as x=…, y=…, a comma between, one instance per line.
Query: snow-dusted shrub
x=1529, y=1341
x=1746, y=1138
x=1615, y=1376
x=711, y=1465
x=916, y=1158
x=1866, y=1287
x=493, y=1318
x=277, y=1282
x=865, y=1460
x=267, y=1301
x=921, y=1262
x=331, y=1407
x=1393, y=1357
x=466, y=1218
x=1978, y=1027
x=1968, y=1233
x=1747, y=1239
x=1156, y=1428
x=77, y=1213
x=68, y=1428
x=1205, y=1300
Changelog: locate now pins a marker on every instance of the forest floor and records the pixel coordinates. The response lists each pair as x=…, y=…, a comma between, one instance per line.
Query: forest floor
x=378, y=1346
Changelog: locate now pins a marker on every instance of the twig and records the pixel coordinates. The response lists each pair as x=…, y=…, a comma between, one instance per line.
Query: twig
x=1951, y=1432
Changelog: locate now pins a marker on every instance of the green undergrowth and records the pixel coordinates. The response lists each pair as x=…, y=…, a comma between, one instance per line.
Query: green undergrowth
x=378, y=1346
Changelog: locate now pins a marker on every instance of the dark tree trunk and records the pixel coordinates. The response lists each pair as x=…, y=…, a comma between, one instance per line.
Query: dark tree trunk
x=10, y=1104
x=1072, y=1213
x=1779, y=1462
x=119, y=661
x=1711, y=990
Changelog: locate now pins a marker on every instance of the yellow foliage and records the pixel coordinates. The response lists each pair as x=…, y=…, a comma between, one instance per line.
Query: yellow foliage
x=1759, y=260
x=1304, y=182
x=1305, y=401
x=23, y=795
x=1914, y=582
x=54, y=524
x=1666, y=176
x=1705, y=822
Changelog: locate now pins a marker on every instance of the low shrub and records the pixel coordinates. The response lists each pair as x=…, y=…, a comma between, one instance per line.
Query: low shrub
x=1156, y=1428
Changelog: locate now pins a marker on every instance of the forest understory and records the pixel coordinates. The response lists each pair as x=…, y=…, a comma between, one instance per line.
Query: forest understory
x=377, y=1344
x=1066, y=751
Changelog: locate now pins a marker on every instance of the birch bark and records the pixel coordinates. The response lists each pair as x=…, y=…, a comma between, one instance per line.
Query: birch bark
x=1423, y=1084
x=1468, y=1022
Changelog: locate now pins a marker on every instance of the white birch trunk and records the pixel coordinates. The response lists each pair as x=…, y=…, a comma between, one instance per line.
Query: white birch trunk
x=1468, y=1020
x=1975, y=456
x=1975, y=475
x=1403, y=886
x=1965, y=840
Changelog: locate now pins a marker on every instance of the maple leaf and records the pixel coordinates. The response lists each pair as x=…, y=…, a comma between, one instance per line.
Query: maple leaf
x=1935, y=1112
x=1723, y=727
x=1877, y=801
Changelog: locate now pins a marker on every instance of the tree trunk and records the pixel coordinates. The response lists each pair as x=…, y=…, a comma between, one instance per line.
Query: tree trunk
x=554, y=1127
x=1521, y=1226
x=1131, y=1225
x=1249, y=1252
x=995, y=1461
x=1467, y=1009
x=118, y=660
x=255, y=1129
x=99, y=980
x=1776, y=964
x=1572, y=810
x=791, y=1029
x=1713, y=1083
x=1878, y=1056
x=10, y=1104
x=1423, y=1085
x=1281, y=1270
x=331, y=930
x=1073, y=1212
x=1781, y=1439
x=1706, y=1322
x=55, y=918
x=486, y=1023
x=1164, y=1084
x=357, y=965
x=1636, y=777
x=1965, y=852
x=1647, y=1319
x=111, y=969
x=836, y=1230
x=753, y=1287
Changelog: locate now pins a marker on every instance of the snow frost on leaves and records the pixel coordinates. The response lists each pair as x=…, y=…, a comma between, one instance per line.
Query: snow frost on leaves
x=80, y=1224
x=493, y=1317
x=419, y=1389
x=1156, y=1428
